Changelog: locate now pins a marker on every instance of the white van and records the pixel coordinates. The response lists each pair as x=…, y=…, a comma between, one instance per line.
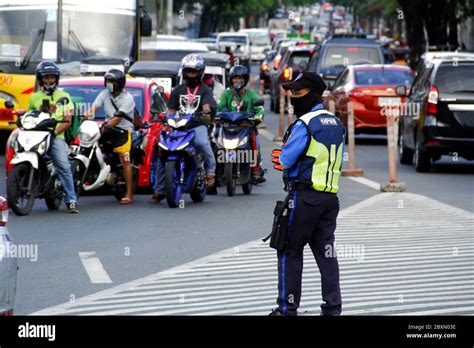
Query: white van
x=259, y=42
x=239, y=43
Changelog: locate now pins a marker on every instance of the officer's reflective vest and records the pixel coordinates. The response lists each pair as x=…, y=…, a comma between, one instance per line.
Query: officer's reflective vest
x=322, y=162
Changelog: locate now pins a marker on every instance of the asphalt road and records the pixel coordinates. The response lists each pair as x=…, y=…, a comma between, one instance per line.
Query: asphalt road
x=135, y=241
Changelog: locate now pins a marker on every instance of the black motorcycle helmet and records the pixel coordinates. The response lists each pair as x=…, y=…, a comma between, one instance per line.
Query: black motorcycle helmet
x=240, y=71
x=115, y=75
x=44, y=69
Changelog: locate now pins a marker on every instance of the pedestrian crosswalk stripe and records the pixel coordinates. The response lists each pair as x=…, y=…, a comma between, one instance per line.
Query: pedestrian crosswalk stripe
x=415, y=260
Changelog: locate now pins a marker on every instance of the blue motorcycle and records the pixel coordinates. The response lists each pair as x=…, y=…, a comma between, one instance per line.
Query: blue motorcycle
x=184, y=166
x=234, y=151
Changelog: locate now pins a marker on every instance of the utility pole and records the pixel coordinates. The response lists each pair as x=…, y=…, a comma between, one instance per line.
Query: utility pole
x=169, y=17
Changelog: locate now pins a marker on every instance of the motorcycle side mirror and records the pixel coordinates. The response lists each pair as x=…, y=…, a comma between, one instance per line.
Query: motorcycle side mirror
x=63, y=101
x=259, y=102
x=9, y=104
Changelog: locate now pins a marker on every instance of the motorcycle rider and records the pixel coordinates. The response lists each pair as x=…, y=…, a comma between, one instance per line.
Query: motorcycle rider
x=47, y=77
x=241, y=99
x=192, y=96
x=119, y=107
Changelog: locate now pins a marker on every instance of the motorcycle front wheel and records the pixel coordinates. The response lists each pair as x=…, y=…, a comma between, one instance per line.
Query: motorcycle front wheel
x=20, y=198
x=230, y=181
x=172, y=184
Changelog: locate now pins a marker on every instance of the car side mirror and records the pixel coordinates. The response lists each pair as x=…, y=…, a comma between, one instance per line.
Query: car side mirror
x=401, y=91
x=146, y=25
x=9, y=104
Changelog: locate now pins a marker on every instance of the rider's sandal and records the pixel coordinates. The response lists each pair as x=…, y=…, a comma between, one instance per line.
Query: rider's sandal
x=126, y=201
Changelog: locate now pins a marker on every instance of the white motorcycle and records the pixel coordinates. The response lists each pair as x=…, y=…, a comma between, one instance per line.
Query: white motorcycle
x=33, y=174
x=94, y=165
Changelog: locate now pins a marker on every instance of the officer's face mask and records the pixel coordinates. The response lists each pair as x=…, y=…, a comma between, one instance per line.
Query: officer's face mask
x=303, y=105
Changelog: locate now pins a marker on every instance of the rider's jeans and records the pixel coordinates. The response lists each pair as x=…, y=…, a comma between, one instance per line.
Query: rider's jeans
x=201, y=141
x=59, y=156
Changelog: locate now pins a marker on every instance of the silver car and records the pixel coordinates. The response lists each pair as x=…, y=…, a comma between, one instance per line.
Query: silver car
x=8, y=264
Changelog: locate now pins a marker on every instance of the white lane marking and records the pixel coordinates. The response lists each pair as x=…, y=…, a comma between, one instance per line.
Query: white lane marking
x=94, y=268
x=414, y=277
x=364, y=181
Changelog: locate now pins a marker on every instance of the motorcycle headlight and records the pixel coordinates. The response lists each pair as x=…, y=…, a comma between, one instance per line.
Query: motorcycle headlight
x=84, y=137
x=28, y=122
x=163, y=146
x=171, y=123
x=231, y=144
x=40, y=148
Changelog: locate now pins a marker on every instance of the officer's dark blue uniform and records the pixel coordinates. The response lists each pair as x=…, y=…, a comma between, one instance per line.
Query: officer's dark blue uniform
x=312, y=159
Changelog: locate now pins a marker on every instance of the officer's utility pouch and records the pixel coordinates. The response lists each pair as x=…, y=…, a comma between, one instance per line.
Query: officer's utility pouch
x=280, y=227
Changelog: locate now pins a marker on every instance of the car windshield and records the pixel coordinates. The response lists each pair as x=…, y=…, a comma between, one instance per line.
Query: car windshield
x=299, y=61
x=84, y=96
x=383, y=77
x=259, y=39
x=346, y=55
x=236, y=39
x=20, y=26
x=455, y=79
x=165, y=55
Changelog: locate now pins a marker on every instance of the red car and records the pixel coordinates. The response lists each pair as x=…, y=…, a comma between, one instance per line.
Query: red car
x=372, y=90
x=84, y=90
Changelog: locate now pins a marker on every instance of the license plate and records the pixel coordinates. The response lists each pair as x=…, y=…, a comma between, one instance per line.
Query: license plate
x=383, y=101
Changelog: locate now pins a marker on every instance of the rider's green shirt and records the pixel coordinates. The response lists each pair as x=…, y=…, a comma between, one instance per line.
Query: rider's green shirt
x=36, y=101
x=230, y=101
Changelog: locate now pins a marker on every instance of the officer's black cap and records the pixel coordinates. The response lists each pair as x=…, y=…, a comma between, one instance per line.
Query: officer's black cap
x=307, y=79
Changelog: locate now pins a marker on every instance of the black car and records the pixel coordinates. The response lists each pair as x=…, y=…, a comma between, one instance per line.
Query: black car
x=293, y=61
x=342, y=50
x=438, y=118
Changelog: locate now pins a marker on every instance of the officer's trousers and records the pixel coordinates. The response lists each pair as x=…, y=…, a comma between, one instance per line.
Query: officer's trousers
x=313, y=221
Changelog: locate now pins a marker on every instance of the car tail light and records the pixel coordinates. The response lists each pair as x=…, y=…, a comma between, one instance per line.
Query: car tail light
x=433, y=142
x=286, y=74
x=4, y=210
x=265, y=67
x=357, y=95
x=432, y=105
x=8, y=313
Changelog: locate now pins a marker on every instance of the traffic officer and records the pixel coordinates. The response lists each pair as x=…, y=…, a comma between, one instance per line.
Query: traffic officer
x=311, y=160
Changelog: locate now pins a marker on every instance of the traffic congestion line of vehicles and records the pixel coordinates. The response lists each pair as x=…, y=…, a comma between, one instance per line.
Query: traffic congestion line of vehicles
x=434, y=101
